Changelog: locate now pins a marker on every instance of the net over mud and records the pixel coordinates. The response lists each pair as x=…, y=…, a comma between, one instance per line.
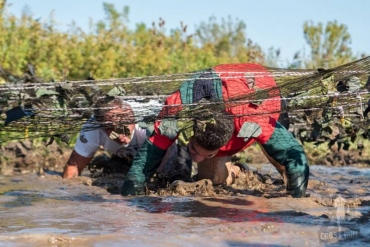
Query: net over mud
x=316, y=105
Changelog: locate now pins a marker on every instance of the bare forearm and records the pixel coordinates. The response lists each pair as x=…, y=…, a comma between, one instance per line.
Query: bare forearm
x=75, y=165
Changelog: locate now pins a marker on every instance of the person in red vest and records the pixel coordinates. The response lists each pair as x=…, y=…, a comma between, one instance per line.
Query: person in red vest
x=231, y=106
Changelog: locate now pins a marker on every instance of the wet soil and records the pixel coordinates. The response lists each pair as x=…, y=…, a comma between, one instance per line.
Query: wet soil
x=38, y=208
x=41, y=210
x=35, y=156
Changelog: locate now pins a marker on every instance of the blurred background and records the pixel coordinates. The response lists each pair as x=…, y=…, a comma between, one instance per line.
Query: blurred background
x=74, y=39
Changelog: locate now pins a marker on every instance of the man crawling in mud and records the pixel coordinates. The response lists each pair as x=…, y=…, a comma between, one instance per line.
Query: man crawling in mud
x=101, y=131
x=113, y=128
x=213, y=135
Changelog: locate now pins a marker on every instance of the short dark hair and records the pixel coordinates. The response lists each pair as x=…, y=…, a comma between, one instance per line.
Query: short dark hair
x=110, y=102
x=214, y=134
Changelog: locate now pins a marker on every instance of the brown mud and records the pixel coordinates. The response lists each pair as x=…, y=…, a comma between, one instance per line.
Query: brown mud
x=35, y=156
x=39, y=208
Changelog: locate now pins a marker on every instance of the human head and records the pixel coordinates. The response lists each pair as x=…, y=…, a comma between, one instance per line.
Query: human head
x=210, y=136
x=113, y=109
x=117, y=118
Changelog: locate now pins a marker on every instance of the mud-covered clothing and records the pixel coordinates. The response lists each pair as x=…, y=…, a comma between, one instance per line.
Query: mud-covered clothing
x=254, y=121
x=90, y=141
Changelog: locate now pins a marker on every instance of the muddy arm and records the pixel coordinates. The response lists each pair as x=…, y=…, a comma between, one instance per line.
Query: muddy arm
x=75, y=165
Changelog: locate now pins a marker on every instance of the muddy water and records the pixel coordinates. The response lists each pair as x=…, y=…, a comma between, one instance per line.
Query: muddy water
x=48, y=211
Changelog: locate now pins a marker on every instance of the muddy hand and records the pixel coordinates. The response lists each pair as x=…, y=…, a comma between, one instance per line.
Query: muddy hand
x=70, y=172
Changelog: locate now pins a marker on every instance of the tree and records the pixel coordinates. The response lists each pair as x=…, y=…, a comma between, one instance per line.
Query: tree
x=2, y=6
x=329, y=45
x=228, y=41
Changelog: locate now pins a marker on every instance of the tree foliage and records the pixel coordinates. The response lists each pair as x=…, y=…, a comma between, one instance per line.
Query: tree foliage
x=227, y=40
x=111, y=49
x=329, y=44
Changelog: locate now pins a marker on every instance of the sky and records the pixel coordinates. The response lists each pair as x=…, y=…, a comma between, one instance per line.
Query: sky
x=270, y=23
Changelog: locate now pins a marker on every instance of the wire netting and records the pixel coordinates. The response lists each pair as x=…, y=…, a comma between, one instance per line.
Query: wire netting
x=311, y=103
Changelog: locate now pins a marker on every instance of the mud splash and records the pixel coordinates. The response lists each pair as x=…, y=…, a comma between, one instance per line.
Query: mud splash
x=46, y=210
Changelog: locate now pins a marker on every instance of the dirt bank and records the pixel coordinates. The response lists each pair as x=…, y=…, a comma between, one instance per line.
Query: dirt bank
x=34, y=156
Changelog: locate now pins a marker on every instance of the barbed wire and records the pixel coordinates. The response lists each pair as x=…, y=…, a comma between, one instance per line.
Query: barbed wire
x=69, y=104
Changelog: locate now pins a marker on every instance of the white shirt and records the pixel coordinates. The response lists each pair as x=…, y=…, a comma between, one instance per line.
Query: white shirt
x=89, y=141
